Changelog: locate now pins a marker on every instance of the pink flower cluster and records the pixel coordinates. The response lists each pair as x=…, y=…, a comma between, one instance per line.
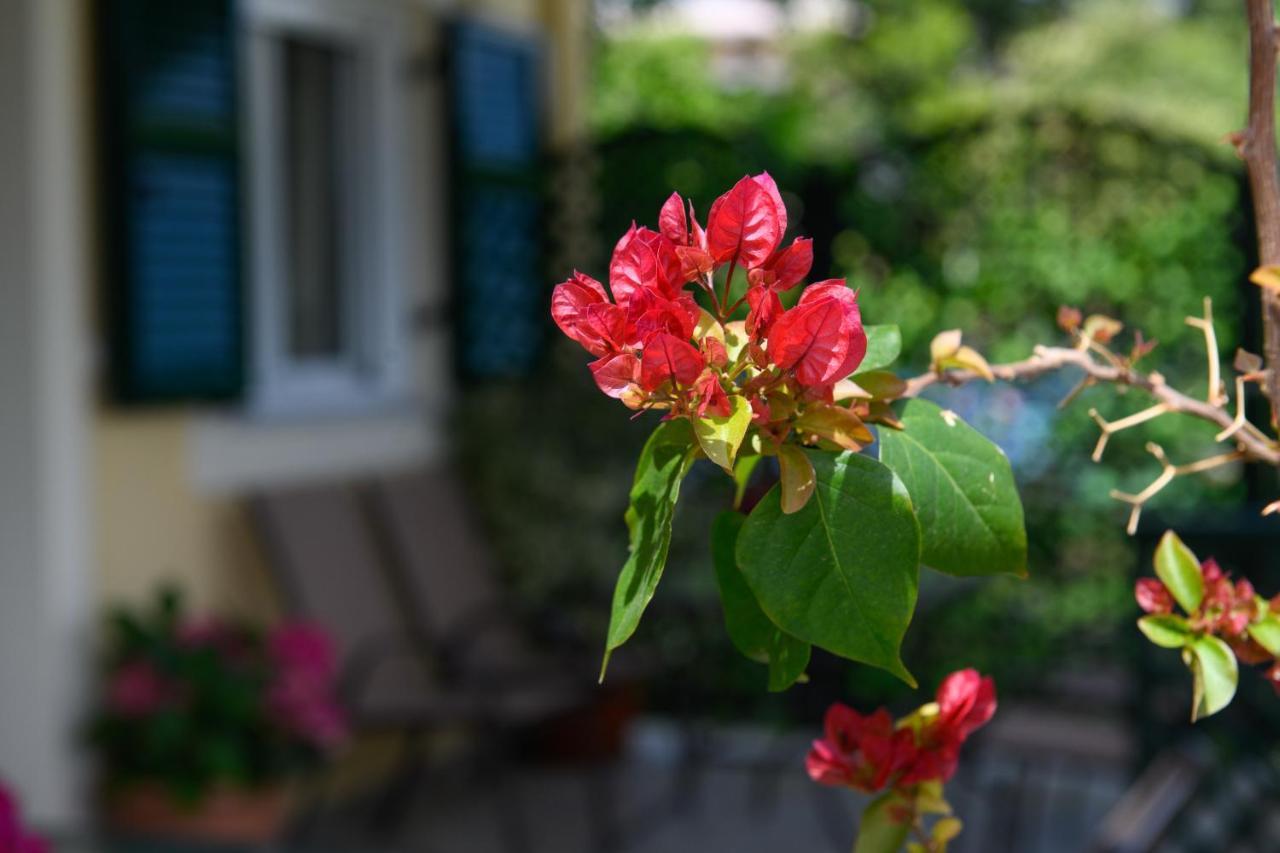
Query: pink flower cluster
x=301, y=695
x=300, y=670
x=1226, y=611
x=655, y=347
x=13, y=837
x=873, y=752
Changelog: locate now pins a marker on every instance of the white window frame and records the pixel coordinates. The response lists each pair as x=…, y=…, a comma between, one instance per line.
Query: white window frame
x=372, y=373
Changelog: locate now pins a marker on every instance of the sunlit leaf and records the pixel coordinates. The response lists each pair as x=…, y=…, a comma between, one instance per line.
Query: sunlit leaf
x=797, y=479
x=963, y=491
x=1166, y=630
x=1213, y=666
x=841, y=573
x=1179, y=569
x=662, y=465
x=1266, y=633
x=836, y=424
x=884, y=345
x=721, y=436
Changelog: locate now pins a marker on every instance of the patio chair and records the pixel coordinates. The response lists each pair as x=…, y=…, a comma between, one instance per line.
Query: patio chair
x=330, y=567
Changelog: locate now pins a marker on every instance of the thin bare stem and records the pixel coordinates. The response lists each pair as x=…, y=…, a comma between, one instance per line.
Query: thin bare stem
x=1256, y=446
x=1215, y=396
x=1168, y=472
x=1110, y=428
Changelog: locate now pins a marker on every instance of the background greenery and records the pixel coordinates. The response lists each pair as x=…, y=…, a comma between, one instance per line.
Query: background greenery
x=967, y=164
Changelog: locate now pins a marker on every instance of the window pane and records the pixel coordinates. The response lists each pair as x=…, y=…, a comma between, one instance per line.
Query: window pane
x=314, y=168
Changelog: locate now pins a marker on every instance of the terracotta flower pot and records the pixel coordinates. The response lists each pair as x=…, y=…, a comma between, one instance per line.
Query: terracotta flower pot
x=225, y=814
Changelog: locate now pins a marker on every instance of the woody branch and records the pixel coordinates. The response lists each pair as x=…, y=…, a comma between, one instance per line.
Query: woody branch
x=1256, y=145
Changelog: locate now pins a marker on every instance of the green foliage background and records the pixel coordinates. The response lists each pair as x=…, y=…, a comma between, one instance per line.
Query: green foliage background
x=968, y=165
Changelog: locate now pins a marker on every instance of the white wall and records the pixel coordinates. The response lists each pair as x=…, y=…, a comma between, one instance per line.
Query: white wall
x=44, y=594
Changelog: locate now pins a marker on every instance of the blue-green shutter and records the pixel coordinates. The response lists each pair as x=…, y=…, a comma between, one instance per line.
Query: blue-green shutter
x=170, y=213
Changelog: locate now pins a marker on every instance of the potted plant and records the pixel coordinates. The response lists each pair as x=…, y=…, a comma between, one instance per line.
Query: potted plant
x=203, y=722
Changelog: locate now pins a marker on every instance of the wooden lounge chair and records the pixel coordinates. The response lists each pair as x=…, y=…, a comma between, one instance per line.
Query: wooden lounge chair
x=331, y=570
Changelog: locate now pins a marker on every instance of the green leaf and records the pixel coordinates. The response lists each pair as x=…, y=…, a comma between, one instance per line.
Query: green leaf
x=796, y=480
x=963, y=491
x=1266, y=632
x=1167, y=631
x=721, y=436
x=880, y=384
x=663, y=463
x=882, y=828
x=884, y=345
x=842, y=572
x=946, y=829
x=742, y=470
x=749, y=629
x=1180, y=571
x=1213, y=667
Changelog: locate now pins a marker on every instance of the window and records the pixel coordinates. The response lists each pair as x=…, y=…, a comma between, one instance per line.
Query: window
x=324, y=194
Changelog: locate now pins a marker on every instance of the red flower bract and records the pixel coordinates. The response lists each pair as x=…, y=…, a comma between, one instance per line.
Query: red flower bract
x=872, y=752
x=858, y=752
x=1152, y=596
x=966, y=702
x=668, y=357
x=745, y=224
x=821, y=338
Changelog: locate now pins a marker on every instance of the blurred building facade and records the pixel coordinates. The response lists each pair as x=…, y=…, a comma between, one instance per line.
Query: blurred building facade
x=332, y=276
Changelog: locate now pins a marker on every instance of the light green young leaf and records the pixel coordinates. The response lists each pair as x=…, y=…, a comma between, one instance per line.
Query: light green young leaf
x=882, y=829
x=1266, y=632
x=842, y=572
x=797, y=479
x=1179, y=569
x=1213, y=667
x=962, y=487
x=1166, y=630
x=742, y=470
x=721, y=436
x=749, y=629
x=662, y=466
x=884, y=345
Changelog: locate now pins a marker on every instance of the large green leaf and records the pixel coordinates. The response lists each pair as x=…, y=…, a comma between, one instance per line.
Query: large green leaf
x=663, y=463
x=842, y=572
x=882, y=828
x=721, y=435
x=884, y=344
x=749, y=629
x=963, y=491
x=1179, y=569
x=1213, y=666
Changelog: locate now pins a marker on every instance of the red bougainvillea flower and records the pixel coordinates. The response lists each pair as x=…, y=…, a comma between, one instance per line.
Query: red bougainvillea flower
x=581, y=309
x=1152, y=596
x=873, y=752
x=966, y=703
x=668, y=357
x=821, y=338
x=745, y=225
x=656, y=346
x=13, y=837
x=785, y=268
x=858, y=752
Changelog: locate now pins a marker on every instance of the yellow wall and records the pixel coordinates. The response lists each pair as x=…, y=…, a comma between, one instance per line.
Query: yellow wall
x=151, y=526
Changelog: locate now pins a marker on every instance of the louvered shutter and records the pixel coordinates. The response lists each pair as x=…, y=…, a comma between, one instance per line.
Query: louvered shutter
x=495, y=109
x=170, y=165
